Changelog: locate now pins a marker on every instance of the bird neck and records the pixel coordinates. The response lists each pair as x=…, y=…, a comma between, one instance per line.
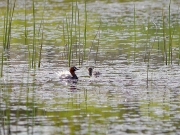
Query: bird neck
x=90, y=73
x=74, y=76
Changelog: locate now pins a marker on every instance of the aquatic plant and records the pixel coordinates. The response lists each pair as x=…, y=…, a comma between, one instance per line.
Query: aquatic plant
x=96, y=37
x=170, y=35
x=33, y=59
x=85, y=29
x=134, y=31
x=8, y=15
x=2, y=62
x=41, y=31
x=72, y=34
x=164, y=38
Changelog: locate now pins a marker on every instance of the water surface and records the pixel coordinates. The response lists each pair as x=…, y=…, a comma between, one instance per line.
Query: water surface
x=137, y=93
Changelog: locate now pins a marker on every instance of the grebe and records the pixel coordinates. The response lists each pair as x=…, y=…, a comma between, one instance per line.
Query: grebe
x=68, y=74
x=95, y=73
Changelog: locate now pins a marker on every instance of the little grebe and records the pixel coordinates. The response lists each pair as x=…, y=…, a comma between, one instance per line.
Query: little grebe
x=68, y=74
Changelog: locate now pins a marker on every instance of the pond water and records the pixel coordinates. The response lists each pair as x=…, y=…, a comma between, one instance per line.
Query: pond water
x=137, y=91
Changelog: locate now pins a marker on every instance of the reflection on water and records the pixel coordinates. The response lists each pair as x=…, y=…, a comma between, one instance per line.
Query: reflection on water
x=136, y=92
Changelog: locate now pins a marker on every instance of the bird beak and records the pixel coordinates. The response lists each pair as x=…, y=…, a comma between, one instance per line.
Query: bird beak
x=76, y=68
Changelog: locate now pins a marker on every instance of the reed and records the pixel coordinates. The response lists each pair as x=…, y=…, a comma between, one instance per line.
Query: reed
x=25, y=26
x=85, y=95
x=149, y=47
x=41, y=28
x=170, y=35
x=77, y=34
x=33, y=59
x=164, y=38
x=68, y=40
x=79, y=37
x=92, y=44
x=26, y=34
x=64, y=40
x=71, y=35
x=64, y=35
x=2, y=62
x=75, y=21
x=176, y=29
x=40, y=52
x=6, y=26
x=179, y=43
x=148, y=52
x=8, y=15
x=134, y=32
x=85, y=30
x=179, y=46
x=97, y=49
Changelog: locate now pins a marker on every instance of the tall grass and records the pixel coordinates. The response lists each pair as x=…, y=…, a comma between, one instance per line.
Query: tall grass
x=68, y=42
x=148, y=52
x=97, y=49
x=75, y=20
x=72, y=34
x=170, y=35
x=179, y=44
x=2, y=62
x=96, y=37
x=33, y=60
x=164, y=38
x=79, y=36
x=41, y=30
x=85, y=29
x=8, y=15
x=40, y=51
x=134, y=32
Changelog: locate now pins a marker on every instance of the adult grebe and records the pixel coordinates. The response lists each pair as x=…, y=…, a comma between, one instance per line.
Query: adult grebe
x=68, y=74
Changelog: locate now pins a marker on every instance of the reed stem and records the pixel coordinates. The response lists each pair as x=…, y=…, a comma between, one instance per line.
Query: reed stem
x=170, y=36
x=33, y=64
x=42, y=37
x=164, y=38
x=85, y=30
x=134, y=32
x=71, y=36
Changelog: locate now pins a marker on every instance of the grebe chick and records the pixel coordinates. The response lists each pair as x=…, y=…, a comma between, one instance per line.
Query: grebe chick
x=95, y=73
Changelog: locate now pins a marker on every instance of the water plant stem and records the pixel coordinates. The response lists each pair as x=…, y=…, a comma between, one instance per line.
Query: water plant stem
x=8, y=24
x=85, y=30
x=33, y=62
x=134, y=32
x=71, y=36
x=164, y=38
x=42, y=37
x=170, y=36
x=2, y=62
